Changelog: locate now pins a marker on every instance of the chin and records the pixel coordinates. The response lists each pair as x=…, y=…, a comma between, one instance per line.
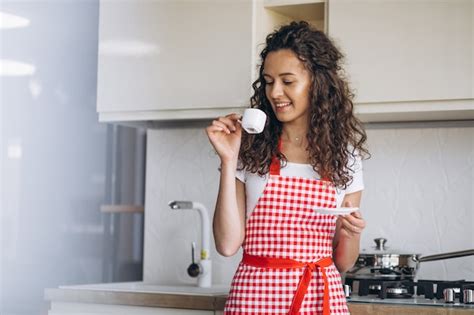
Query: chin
x=287, y=117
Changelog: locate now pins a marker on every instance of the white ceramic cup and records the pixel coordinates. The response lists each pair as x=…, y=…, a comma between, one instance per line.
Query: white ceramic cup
x=253, y=120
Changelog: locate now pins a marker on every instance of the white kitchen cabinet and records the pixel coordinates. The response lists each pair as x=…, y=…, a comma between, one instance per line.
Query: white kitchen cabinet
x=174, y=60
x=407, y=60
x=172, y=55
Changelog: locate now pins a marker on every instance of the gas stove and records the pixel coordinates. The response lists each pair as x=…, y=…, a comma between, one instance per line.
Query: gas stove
x=458, y=293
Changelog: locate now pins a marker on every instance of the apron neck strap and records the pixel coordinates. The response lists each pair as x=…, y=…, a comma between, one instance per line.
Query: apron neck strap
x=275, y=166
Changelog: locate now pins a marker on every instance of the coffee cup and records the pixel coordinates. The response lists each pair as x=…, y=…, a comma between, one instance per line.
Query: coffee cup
x=253, y=120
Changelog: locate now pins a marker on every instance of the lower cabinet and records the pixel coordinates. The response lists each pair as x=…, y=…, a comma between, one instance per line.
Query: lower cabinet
x=63, y=308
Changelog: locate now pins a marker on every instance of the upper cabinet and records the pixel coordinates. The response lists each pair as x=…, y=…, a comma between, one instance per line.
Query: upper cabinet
x=177, y=60
x=407, y=60
x=174, y=60
x=165, y=59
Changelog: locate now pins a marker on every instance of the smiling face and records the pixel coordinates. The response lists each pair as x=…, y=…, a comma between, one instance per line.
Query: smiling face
x=287, y=86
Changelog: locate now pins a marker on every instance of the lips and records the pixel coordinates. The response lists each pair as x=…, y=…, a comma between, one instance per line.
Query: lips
x=282, y=106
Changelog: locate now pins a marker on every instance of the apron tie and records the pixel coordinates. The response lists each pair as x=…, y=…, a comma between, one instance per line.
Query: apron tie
x=266, y=262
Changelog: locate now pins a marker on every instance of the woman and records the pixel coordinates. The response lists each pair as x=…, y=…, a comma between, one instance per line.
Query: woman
x=307, y=157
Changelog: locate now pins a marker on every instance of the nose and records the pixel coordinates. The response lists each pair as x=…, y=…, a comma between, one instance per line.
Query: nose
x=275, y=90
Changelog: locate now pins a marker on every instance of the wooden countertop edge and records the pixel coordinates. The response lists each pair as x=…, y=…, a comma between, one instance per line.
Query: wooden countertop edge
x=390, y=309
x=196, y=302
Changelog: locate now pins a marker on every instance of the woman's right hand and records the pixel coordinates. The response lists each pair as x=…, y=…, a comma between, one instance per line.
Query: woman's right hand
x=225, y=135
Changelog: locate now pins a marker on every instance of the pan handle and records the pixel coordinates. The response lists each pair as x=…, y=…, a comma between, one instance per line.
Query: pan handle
x=450, y=255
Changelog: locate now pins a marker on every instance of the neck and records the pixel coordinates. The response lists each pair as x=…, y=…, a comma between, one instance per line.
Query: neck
x=295, y=134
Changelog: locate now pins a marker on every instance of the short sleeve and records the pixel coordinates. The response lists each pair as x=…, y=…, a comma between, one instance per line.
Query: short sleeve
x=241, y=174
x=355, y=165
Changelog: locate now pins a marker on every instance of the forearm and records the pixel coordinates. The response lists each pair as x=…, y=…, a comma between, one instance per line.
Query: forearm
x=228, y=224
x=346, y=252
x=346, y=241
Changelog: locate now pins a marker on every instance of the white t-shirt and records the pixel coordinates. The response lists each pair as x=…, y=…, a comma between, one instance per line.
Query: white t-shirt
x=255, y=184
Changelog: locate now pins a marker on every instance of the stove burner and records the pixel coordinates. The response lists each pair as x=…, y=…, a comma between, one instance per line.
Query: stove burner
x=398, y=292
x=397, y=289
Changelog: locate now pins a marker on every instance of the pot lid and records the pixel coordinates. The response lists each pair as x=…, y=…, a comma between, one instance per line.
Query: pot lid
x=381, y=249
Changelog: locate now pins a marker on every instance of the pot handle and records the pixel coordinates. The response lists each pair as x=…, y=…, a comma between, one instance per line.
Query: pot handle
x=469, y=252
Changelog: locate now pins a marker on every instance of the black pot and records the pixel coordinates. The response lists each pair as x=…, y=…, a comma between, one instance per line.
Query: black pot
x=383, y=263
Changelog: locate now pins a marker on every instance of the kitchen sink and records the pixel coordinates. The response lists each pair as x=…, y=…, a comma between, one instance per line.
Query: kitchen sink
x=181, y=289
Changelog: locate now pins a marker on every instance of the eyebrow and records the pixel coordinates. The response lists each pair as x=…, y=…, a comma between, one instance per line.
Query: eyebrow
x=280, y=75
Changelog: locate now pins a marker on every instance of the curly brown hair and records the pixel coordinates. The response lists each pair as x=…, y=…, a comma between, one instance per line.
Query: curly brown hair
x=334, y=133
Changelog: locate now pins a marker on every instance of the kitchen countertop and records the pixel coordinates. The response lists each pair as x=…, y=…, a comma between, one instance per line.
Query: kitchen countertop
x=192, y=297
x=142, y=294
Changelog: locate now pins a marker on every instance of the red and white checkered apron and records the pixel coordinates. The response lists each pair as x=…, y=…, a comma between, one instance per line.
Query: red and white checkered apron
x=284, y=238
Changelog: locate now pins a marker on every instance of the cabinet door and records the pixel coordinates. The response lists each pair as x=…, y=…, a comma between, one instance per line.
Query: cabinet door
x=399, y=50
x=172, y=55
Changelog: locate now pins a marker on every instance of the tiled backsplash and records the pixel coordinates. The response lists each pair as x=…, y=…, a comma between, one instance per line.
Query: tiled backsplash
x=419, y=195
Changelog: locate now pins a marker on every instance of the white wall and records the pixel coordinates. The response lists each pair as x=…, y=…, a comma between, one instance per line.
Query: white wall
x=419, y=195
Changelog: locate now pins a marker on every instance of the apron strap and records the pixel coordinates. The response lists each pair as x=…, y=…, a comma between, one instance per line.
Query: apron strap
x=265, y=262
x=275, y=166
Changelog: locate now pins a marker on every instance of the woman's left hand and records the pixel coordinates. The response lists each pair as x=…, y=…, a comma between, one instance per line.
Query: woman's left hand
x=352, y=224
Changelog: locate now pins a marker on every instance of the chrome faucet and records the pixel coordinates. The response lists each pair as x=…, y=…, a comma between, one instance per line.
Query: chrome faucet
x=203, y=270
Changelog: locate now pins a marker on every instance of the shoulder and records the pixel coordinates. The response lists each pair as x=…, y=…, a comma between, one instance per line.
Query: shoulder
x=249, y=177
x=244, y=175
